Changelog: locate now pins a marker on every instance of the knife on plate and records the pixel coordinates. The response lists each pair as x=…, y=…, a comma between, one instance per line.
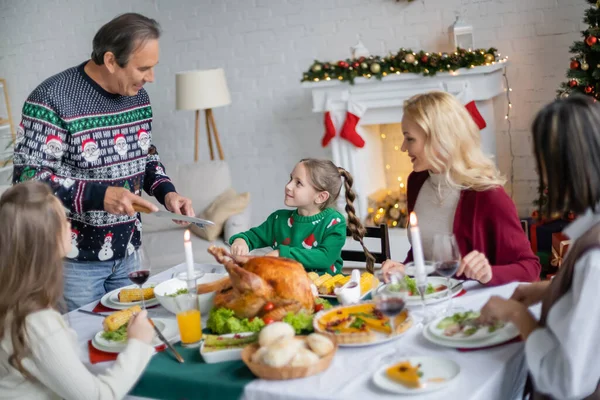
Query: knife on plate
x=177, y=217
x=169, y=345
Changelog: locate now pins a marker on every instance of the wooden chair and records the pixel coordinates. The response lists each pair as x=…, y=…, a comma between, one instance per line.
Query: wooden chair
x=381, y=233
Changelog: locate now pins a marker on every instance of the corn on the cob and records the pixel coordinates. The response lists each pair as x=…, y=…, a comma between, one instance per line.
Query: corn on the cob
x=116, y=320
x=327, y=287
x=313, y=276
x=366, y=282
x=131, y=295
x=343, y=281
x=320, y=280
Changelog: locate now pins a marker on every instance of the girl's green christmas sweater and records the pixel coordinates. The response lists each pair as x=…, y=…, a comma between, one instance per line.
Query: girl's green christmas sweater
x=316, y=241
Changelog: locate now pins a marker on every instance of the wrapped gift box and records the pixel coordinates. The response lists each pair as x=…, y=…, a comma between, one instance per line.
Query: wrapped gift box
x=541, y=234
x=560, y=245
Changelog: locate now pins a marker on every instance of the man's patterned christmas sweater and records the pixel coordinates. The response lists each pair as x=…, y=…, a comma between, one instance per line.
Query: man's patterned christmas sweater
x=81, y=139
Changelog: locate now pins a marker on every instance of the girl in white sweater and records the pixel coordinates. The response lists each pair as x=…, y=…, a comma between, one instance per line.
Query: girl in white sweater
x=38, y=351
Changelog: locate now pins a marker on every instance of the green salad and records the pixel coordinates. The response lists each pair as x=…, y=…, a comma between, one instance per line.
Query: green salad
x=466, y=323
x=120, y=335
x=223, y=320
x=178, y=292
x=412, y=286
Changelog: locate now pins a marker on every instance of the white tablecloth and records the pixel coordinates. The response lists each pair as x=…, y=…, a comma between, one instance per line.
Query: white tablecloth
x=497, y=373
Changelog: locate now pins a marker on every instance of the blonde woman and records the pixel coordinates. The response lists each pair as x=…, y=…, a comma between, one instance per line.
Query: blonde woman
x=38, y=351
x=455, y=188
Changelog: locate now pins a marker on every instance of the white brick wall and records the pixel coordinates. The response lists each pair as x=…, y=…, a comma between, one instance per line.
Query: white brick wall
x=264, y=46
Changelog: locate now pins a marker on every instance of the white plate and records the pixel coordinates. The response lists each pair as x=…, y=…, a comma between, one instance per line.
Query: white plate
x=212, y=357
x=434, y=298
x=381, y=337
x=114, y=295
x=508, y=332
x=107, y=301
x=167, y=327
x=431, y=367
x=482, y=333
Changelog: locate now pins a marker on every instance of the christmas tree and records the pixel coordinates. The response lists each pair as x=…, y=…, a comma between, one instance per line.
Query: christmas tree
x=584, y=69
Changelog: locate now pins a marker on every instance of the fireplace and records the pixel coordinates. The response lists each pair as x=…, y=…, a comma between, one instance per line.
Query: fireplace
x=380, y=167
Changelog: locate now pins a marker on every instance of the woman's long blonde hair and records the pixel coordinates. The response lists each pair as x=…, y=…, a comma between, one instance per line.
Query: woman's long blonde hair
x=31, y=262
x=325, y=176
x=453, y=143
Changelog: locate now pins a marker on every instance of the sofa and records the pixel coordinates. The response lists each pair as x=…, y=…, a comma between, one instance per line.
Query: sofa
x=162, y=239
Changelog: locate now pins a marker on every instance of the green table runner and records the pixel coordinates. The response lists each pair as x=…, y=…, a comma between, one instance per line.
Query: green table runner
x=165, y=378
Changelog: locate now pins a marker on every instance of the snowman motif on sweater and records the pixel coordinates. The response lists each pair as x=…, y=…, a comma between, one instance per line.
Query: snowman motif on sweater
x=74, y=252
x=106, y=252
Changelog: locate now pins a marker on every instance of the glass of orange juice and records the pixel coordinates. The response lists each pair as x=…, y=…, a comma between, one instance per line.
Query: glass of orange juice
x=188, y=317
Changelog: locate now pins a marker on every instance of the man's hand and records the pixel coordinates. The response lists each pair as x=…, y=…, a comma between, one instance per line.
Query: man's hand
x=179, y=205
x=120, y=201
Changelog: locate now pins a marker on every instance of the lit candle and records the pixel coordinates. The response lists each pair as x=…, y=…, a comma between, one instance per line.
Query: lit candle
x=417, y=248
x=189, y=256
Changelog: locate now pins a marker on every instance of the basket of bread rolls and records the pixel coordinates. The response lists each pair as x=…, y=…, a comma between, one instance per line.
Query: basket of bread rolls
x=280, y=354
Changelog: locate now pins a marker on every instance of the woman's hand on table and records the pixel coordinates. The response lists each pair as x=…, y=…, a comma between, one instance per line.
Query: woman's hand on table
x=390, y=266
x=530, y=294
x=239, y=247
x=140, y=327
x=508, y=310
x=476, y=266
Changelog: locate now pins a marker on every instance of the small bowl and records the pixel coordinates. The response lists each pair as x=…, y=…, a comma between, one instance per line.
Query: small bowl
x=218, y=356
x=163, y=289
x=286, y=372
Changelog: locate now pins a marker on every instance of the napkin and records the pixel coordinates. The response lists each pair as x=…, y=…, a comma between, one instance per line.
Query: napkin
x=98, y=356
x=102, y=308
x=513, y=340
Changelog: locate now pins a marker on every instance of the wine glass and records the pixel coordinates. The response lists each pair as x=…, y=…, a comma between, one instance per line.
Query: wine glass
x=141, y=273
x=447, y=260
x=390, y=298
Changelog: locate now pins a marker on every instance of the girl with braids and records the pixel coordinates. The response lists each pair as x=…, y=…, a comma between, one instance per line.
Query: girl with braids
x=455, y=188
x=38, y=351
x=314, y=232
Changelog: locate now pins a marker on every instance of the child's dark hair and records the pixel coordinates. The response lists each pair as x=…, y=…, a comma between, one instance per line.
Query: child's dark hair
x=326, y=177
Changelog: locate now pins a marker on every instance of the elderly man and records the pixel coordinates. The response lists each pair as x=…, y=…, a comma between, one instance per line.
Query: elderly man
x=87, y=131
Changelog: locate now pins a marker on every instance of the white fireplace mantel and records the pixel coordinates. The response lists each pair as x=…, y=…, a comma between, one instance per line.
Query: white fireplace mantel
x=383, y=100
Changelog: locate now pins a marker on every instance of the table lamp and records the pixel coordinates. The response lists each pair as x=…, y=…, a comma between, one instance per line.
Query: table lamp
x=203, y=90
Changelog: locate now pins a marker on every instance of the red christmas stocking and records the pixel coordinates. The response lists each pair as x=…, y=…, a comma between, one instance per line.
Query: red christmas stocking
x=354, y=114
x=472, y=109
x=329, y=130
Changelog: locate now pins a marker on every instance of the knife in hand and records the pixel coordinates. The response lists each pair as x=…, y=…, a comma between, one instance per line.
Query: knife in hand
x=176, y=217
x=169, y=345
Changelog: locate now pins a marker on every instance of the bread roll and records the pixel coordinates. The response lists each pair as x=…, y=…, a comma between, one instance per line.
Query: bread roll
x=320, y=344
x=257, y=357
x=304, y=358
x=281, y=352
x=275, y=332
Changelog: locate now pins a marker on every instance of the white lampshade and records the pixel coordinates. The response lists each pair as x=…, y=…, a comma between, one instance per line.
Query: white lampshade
x=199, y=90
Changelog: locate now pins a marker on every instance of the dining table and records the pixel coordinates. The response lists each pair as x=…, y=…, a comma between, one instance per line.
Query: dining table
x=489, y=373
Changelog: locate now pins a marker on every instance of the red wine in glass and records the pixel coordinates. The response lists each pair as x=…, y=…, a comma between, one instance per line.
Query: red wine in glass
x=447, y=268
x=390, y=307
x=139, y=277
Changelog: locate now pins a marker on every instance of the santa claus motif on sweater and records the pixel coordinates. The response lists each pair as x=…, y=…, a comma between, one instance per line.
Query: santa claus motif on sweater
x=160, y=171
x=106, y=252
x=54, y=147
x=333, y=222
x=310, y=242
x=121, y=146
x=143, y=139
x=290, y=221
x=89, y=150
x=20, y=133
x=286, y=241
x=332, y=268
x=74, y=252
